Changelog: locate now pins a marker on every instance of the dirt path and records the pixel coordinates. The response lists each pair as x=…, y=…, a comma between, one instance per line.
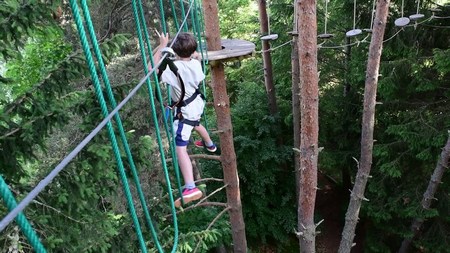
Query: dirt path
x=328, y=205
x=331, y=208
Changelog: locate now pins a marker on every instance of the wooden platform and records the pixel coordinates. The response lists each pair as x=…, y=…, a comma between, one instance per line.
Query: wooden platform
x=233, y=49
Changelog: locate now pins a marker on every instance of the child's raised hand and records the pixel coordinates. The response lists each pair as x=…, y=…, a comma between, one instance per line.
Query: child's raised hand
x=163, y=40
x=196, y=56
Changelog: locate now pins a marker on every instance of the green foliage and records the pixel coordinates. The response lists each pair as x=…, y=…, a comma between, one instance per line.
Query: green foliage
x=411, y=129
x=41, y=56
x=18, y=21
x=45, y=98
x=265, y=177
x=30, y=111
x=41, y=96
x=411, y=121
x=262, y=141
x=193, y=226
x=235, y=21
x=46, y=108
x=442, y=61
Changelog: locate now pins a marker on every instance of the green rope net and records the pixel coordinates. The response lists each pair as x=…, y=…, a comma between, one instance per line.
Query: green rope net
x=83, y=22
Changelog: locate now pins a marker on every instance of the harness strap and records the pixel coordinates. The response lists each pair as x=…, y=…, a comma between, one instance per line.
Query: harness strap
x=180, y=103
x=193, y=123
x=189, y=100
x=174, y=69
x=179, y=115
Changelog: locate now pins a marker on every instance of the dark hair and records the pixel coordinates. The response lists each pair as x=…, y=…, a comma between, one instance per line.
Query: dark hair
x=185, y=45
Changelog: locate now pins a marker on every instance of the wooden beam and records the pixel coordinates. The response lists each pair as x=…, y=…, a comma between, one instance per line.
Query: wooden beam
x=232, y=49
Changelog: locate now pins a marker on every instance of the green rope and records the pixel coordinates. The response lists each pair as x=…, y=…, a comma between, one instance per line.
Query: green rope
x=201, y=24
x=174, y=14
x=25, y=226
x=197, y=26
x=113, y=103
x=8, y=196
x=183, y=16
x=155, y=120
x=98, y=90
x=170, y=134
x=168, y=129
x=192, y=14
x=163, y=16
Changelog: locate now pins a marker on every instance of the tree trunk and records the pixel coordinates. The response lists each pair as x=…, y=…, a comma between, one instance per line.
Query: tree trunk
x=428, y=196
x=309, y=101
x=222, y=109
x=296, y=99
x=368, y=120
x=267, y=59
x=345, y=171
x=348, y=57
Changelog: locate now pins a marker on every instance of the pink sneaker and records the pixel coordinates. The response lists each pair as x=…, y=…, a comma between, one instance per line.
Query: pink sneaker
x=188, y=196
x=198, y=144
x=201, y=144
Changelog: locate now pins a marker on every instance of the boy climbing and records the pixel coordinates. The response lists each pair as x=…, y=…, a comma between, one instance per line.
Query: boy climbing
x=187, y=114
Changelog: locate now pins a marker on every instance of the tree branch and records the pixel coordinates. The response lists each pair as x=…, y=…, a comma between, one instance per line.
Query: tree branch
x=58, y=211
x=43, y=81
x=204, y=204
x=15, y=130
x=201, y=156
x=212, y=193
x=110, y=19
x=428, y=196
x=211, y=224
x=209, y=179
x=204, y=156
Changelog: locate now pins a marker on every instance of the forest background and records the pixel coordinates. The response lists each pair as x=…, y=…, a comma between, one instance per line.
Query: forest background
x=48, y=105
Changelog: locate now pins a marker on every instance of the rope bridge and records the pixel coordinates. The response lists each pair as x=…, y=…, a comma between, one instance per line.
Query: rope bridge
x=194, y=12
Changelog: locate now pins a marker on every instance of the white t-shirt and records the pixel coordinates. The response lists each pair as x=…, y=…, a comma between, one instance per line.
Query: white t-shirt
x=192, y=74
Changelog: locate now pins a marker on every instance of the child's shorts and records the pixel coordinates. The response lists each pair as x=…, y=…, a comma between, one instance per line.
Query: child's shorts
x=182, y=132
x=191, y=112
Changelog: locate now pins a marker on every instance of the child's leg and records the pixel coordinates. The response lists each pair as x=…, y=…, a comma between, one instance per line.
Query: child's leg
x=182, y=134
x=185, y=166
x=201, y=130
x=190, y=191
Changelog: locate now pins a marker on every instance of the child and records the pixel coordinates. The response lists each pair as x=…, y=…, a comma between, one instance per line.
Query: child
x=187, y=117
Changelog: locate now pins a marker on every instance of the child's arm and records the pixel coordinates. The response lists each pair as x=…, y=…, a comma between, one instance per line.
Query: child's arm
x=196, y=56
x=163, y=41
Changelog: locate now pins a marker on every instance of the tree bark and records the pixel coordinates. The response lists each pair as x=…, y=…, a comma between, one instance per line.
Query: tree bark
x=345, y=170
x=267, y=58
x=307, y=48
x=368, y=121
x=296, y=99
x=428, y=196
x=222, y=109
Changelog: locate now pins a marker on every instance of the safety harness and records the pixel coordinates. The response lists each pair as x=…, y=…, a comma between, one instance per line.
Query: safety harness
x=169, y=61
